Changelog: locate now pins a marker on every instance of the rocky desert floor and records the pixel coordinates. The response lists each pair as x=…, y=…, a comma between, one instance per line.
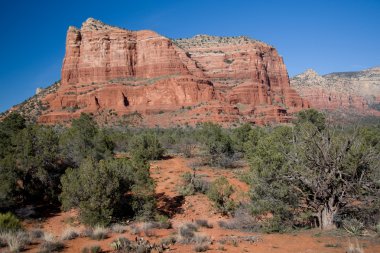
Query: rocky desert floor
x=181, y=210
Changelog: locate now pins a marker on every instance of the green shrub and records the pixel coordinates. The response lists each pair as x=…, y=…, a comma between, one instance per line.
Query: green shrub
x=220, y=193
x=353, y=226
x=305, y=175
x=193, y=183
x=146, y=146
x=121, y=244
x=9, y=223
x=163, y=222
x=218, y=146
x=98, y=189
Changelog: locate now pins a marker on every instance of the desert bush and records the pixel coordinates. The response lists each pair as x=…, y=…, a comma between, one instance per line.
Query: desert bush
x=50, y=244
x=92, y=249
x=163, y=222
x=36, y=233
x=187, y=232
x=235, y=240
x=98, y=188
x=99, y=233
x=118, y=228
x=187, y=146
x=203, y=247
x=220, y=193
x=69, y=234
x=168, y=240
x=84, y=140
x=203, y=223
x=218, y=145
x=353, y=226
x=193, y=183
x=201, y=243
x=121, y=244
x=139, y=246
x=147, y=228
x=16, y=241
x=135, y=230
x=14, y=245
x=242, y=220
x=9, y=223
x=286, y=167
x=146, y=146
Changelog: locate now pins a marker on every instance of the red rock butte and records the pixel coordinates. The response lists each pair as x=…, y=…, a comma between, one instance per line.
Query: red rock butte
x=116, y=73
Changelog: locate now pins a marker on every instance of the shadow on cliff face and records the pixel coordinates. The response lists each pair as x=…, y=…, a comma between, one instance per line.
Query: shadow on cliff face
x=169, y=206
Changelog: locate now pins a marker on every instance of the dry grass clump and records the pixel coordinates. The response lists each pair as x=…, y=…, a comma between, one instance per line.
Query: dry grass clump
x=354, y=248
x=241, y=221
x=203, y=223
x=123, y=244
x=186, y=233
x=202, y=243
x=36, y=234
x=135, y=230
x=201, y=247
x=15, y=241
x=99, y=233
x=163, y=222
x=69, y=234
x=171, y=240
x=50, y=244
x=118, y=228
x=147, y=228
x=92, y=249
x=235, y=240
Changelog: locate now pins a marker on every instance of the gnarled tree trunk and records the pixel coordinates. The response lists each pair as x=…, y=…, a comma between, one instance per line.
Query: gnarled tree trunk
x=326, y=216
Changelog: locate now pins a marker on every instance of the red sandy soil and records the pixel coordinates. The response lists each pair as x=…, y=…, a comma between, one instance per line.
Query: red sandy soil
x=167, y=174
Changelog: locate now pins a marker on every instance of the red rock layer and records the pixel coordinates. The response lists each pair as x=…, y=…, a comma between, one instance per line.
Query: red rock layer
x=220, y=79
x=352, y=92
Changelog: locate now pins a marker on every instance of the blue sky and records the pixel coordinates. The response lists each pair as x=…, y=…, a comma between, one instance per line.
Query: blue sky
x=328, y=36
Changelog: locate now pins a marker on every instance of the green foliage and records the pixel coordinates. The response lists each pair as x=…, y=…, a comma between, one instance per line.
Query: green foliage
x=193, y=183
x=220, y=193
x=240, y=136
x=9, y=127
x=99, y=188
x=218, y=145
x=9, y=223
x=147, y=147
x=29, y=165
x=307, y=174
x=371, y=136
x=312, y=116
x=84, y=139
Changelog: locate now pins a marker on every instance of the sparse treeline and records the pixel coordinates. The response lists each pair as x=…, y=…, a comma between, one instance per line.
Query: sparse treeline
x=307, y=174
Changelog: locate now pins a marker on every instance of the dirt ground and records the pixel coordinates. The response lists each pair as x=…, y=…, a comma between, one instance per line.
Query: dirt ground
x=167, y=175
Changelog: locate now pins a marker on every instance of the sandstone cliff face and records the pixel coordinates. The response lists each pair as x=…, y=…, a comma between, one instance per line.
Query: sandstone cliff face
x=353, y=92
x=115, y=73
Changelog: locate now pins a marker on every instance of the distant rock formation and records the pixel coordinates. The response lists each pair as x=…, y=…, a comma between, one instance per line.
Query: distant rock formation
x=142, y=77
x=353, y=92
